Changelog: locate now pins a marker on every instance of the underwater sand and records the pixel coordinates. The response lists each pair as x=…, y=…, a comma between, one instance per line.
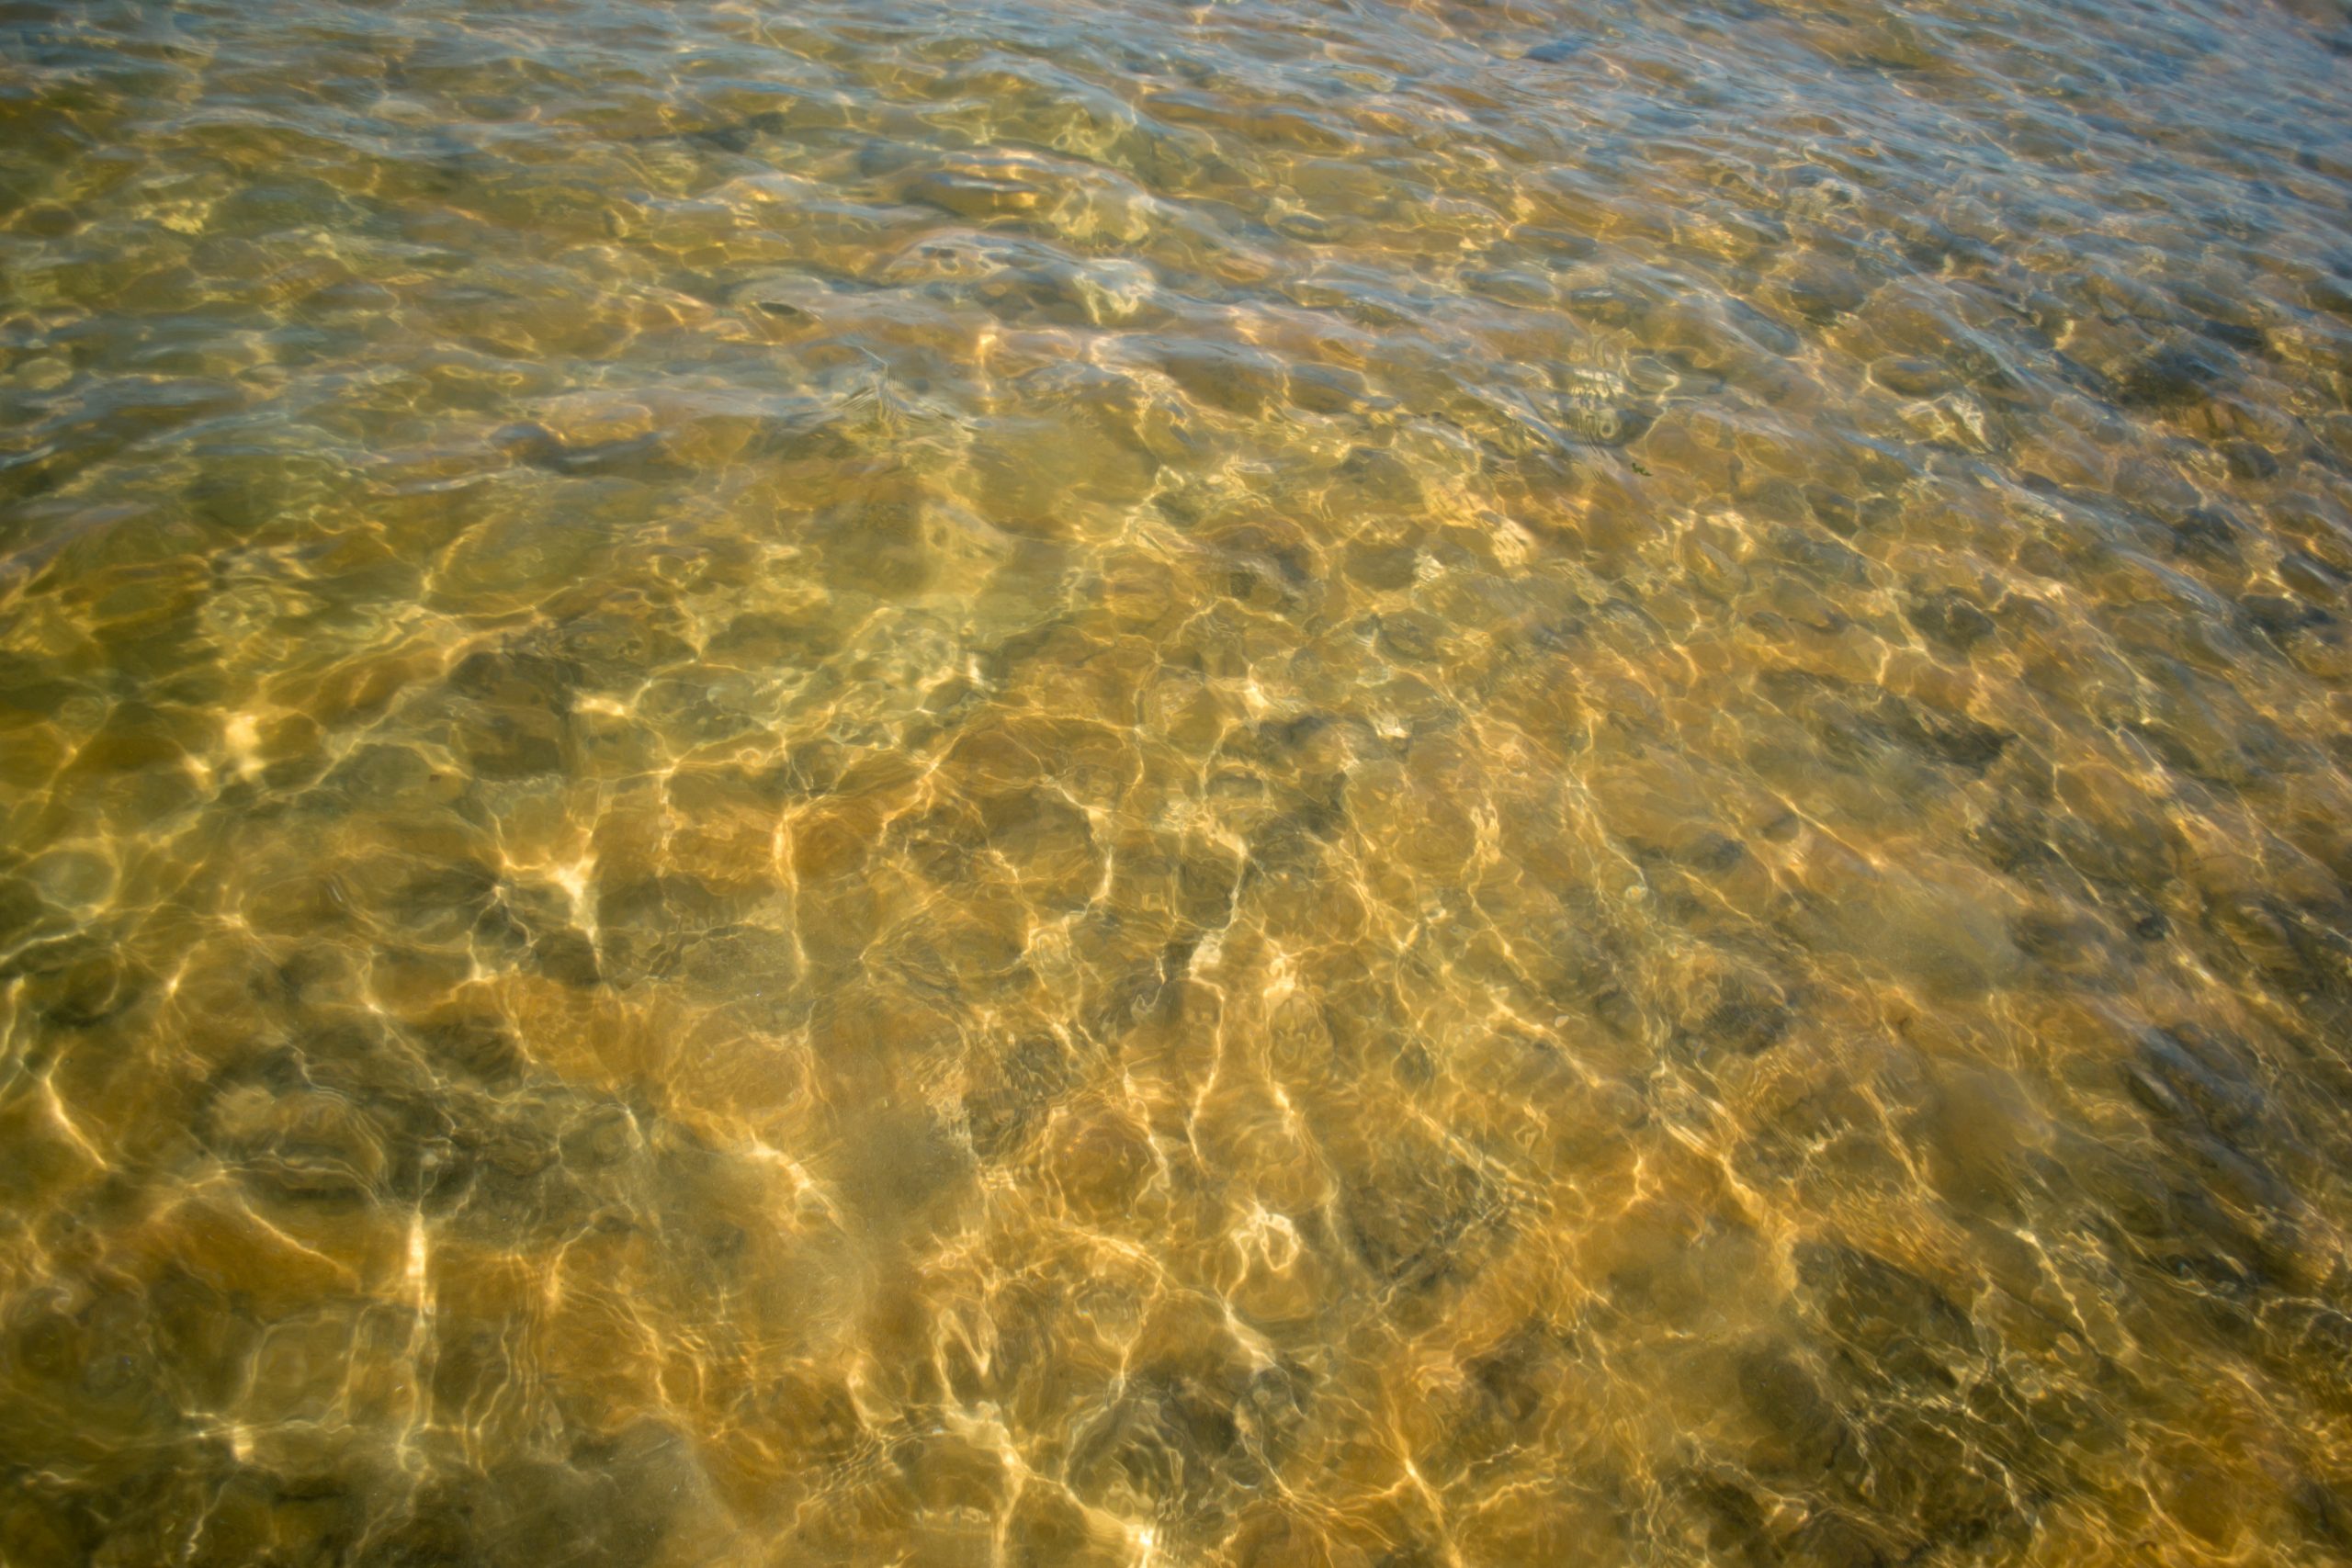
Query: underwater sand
x=1278, y=784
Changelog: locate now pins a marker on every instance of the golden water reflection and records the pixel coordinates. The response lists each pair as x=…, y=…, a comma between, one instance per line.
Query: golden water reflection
x=1267, y=785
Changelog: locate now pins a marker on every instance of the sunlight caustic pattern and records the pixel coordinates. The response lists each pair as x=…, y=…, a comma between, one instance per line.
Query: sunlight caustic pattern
x=1283, y=784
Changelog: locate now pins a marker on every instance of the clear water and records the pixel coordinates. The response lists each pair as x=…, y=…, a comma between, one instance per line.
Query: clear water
x=1271, y=784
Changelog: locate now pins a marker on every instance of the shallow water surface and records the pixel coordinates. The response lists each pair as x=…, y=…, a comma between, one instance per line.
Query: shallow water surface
x=1282, y=784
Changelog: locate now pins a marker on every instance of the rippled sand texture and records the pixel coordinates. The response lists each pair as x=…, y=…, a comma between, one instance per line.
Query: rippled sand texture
x=1283, y=785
